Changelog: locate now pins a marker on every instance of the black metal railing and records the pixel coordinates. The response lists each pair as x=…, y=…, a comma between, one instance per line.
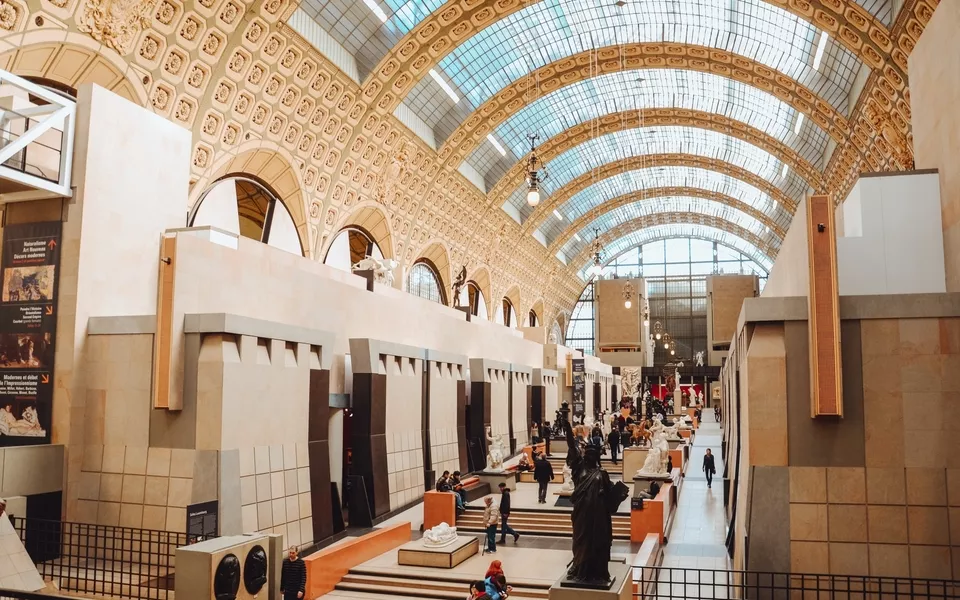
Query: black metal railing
x=102, y=560
x=707, y=584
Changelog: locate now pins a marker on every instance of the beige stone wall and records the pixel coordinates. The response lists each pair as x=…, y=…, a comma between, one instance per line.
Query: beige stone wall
x=725, y=295
x=521, y=425
x=275, y=491
x=934, y=97
x=444, y=445
x=617, y=325
x=404, y=427
x=499, y=392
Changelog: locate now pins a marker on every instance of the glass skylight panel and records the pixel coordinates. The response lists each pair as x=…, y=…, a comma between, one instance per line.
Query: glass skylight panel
x=547, y=31
x=674, y=230
x=662, y=88
x=620, y=145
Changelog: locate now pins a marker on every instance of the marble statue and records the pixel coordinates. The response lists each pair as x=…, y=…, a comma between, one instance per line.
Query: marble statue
x=698, y=357
x=552, y=339
x=653, y=465
x=440, y=536
x=495, y=452
x=673, y=431
x=382, y=268
x=595, y=498
x=568, y=484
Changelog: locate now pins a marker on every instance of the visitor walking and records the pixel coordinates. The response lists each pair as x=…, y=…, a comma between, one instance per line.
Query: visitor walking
x=293, y=576
x=491, y=518
x=546, y=435
x=614, y=440
x=505, y=514
x=542, y=474
x=708, y=466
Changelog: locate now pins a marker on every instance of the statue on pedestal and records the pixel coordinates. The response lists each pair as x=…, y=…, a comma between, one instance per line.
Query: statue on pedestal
x=458, y=284
x=595, y=498
x=653, y=464
x=495, y=452
x=440, y=536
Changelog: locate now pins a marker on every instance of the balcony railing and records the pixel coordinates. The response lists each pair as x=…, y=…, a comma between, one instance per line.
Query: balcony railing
x=36, y=140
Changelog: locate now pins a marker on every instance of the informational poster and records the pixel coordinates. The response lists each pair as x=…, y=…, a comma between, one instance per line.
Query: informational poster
x=579, y=388
x=28, y=328
x=202, y=521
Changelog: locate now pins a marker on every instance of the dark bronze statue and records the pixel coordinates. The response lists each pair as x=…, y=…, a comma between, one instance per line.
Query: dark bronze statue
x=458, y=285
x=595, y=499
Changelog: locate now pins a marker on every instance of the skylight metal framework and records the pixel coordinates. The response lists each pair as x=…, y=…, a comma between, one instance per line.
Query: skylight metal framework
x=639, y=237
x=615, y=146
x=621, y=91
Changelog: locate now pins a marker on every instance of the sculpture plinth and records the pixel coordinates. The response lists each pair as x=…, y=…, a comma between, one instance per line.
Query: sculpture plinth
x=495, y=478
x=619, y=588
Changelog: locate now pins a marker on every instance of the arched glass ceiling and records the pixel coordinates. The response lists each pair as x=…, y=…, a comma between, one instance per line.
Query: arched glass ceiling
x=618, y=145
x=550, y=30
x=659, y=232
x=661, y=88
x=662, y=177
x=677, y=204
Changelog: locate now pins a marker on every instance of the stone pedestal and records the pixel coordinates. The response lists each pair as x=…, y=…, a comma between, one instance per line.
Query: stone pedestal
x=677, y=399
x=621, y=589
x=633, y=459
x=416, y=554
x=674, y=443
x=494, y=478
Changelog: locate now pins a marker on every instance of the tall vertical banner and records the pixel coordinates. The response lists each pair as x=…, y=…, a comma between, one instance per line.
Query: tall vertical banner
x=28, y=328
x=579, y=387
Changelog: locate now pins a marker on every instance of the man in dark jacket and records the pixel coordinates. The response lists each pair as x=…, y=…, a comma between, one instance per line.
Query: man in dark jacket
x=709, y=468
x=545, y=434
x=614, y=440
x=542, y=474
x=505, y=514
x=293, y=576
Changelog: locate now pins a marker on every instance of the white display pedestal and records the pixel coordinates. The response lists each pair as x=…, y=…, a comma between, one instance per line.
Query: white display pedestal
x=495, y=478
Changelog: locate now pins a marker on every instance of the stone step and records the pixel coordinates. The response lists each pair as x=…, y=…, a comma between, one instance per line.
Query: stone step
x=434, y=583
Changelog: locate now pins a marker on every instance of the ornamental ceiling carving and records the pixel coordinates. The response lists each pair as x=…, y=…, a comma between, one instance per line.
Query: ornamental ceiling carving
x=239, y=79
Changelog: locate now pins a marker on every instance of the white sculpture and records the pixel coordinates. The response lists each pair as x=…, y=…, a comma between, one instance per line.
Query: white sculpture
x=653, y=465
x=440, y=536
x=552, y=338
x=673, y=432
x=382, y=268
x=495, y=452
x=568, y=485
x=699, y=358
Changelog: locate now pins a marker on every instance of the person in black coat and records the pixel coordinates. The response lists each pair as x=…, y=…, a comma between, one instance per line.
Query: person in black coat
x=709, y=468
x=545, y=434
x=293, y=576
x=614, y=440
x=542, y=474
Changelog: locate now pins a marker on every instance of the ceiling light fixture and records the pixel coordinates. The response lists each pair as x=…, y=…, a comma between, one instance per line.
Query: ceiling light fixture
x=577, y=237
x=597, y=267
x=628, y=294
x=784, y=170
x=818, y=57
x=493, y=141
x=375, y=8
x=535, y=176
x=557, y=215
x=443, y=84
x=796, y=128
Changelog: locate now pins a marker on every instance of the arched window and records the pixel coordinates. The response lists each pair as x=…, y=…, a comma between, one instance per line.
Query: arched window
x=350, y=246
x=474, y=299
x=247, y=207
x=532, y=319
x=424, y=281
x=505, y=313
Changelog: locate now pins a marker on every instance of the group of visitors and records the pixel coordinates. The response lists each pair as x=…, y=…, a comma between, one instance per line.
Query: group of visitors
x=493, y=586
x=493, y=516
x=452, y=483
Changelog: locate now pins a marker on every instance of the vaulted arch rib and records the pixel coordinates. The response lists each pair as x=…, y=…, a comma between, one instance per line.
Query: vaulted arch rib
x=652, y=195
x=556, y=199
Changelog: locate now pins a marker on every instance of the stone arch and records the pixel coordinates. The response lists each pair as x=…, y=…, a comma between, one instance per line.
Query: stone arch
x=537, y=308
x=272, y=166
x=481, y=277
x=439, y=256
x=513, y=295
x=73, y=60
x=372, y=220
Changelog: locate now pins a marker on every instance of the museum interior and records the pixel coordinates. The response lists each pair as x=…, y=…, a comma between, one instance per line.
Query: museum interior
x=334, y=298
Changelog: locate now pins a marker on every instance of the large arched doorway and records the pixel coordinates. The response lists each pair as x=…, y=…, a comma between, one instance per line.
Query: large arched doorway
x=472, y=296
x=506, y=314
x=350, y=246
x=247, y=207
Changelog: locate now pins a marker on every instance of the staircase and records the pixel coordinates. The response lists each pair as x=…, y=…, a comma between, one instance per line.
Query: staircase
x=557, y=461
x=371, y=583
x=528, y=521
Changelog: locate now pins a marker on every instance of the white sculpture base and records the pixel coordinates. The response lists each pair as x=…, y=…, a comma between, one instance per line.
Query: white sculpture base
x=495, y=478
x=622, y=588
x=415, y=554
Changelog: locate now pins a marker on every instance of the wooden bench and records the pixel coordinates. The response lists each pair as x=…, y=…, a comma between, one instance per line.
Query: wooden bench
x=326, y=567
x=475, y=488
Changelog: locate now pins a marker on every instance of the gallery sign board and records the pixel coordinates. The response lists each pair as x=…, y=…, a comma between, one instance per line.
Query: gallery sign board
x=28, y=331
x=579, y=387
